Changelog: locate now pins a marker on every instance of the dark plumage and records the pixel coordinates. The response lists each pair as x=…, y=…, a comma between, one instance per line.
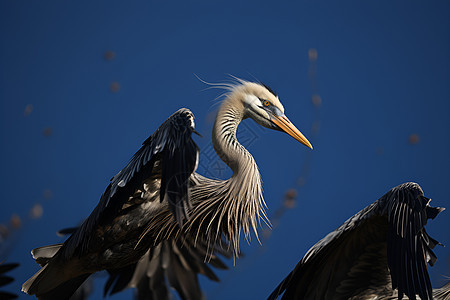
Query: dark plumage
x=171, y=264
x=111, y=236
x=382, y=248
x=4, y=279
x=269, y=89
x=174, y=264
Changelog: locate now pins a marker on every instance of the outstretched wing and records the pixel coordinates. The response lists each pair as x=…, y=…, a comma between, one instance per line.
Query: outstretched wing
x=170, y=155
x=385, y=240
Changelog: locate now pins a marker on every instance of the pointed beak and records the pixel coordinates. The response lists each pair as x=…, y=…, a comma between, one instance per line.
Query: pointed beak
x=286, y=125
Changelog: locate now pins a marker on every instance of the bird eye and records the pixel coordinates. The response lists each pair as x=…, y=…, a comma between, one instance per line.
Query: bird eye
x=266, y=103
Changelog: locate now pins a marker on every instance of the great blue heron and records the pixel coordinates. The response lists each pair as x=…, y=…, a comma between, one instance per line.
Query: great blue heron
x=158, y=196
x=381, y=249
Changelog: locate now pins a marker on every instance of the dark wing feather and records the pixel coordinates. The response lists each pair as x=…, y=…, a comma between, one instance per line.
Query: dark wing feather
x=4, y=280
x=177, y=261
x=118, y=279
x=355, y=260
x=181, y=264
x=173, y=147
x=409, y=246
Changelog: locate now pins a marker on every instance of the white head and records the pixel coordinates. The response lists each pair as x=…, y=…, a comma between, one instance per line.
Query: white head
x=260, y=103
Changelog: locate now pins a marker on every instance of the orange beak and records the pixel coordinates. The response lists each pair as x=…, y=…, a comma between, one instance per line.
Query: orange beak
x=286, y=125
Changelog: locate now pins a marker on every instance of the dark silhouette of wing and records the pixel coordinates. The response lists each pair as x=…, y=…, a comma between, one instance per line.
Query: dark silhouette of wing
x=159, y=170
x=4, y=280
x=172, y=263
x=169, y=154
x=381, y=248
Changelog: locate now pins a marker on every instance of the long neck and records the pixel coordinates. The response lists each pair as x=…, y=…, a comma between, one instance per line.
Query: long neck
x=221, y=208
x=245, y=170
x=224, y=139
x=241, y=202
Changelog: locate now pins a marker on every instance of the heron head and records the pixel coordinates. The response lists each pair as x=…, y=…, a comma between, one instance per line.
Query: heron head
x=262, y=105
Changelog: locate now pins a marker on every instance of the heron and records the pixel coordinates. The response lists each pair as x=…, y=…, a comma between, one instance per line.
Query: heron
x=158, y=195
x=379, y=253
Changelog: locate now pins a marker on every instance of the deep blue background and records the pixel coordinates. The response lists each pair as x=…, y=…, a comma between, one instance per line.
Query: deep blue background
x=383, y=73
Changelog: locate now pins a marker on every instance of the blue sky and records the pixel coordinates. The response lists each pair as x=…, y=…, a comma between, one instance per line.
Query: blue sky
x=382, y=73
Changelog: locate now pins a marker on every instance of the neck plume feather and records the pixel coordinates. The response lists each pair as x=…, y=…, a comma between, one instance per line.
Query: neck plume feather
x=222, y=207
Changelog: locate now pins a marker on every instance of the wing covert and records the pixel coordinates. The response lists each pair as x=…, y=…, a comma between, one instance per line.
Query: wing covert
x=173, y=146
x=170, y=154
